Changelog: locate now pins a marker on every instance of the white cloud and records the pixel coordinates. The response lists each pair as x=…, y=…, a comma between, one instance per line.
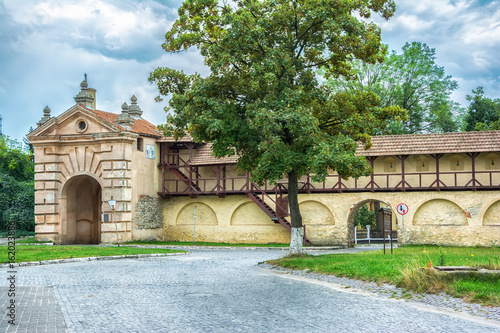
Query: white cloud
x=47, y=46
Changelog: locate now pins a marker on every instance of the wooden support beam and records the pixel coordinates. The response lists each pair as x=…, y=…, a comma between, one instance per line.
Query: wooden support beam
x=371, y=184
x=473, y=180
x=403, y=181
x=438, y=182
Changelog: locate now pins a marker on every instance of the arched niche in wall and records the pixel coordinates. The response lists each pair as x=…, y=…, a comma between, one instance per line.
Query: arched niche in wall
x=492, y=215
x=491, y=161
x=457, y=162
x=390, y=164
x=315, y=213
x=422, y=163
x=439, y=212
x=249, y=213
x=204, y=215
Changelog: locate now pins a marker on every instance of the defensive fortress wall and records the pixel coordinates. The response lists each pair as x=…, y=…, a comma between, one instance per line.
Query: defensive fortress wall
x=85, y=157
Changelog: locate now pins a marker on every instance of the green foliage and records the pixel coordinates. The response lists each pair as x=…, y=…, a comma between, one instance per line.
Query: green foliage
x=262, y=99
x=404, y=269
x=365, y=217
x=483, y=113
x=413, y=81
x=16, y=186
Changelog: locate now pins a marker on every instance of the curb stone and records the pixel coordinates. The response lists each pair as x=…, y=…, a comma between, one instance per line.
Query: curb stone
x=63, y=261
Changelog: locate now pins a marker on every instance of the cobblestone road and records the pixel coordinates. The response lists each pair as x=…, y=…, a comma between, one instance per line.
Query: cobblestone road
x=210, y=291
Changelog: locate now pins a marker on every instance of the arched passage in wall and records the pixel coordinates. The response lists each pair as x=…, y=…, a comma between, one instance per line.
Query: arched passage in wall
x=373, y=205
x=81, y=211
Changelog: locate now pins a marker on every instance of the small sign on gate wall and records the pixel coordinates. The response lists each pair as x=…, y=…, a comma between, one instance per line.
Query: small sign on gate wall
x=150, y=152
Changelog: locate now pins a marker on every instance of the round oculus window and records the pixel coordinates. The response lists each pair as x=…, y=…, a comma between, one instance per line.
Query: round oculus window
x=81, y=126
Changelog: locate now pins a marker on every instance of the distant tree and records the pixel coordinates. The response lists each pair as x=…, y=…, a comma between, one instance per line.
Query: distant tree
x=262, y=99
x=483, y=113
x=16, y=186
x=29, y=147
x=413, y=81
x=365, y=217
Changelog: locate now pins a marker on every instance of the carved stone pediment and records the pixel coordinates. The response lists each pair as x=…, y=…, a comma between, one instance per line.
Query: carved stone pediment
x=75, y=121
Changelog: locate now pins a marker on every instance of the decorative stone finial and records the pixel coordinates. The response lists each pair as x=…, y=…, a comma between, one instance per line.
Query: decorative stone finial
x=46, y=116
x=84, y=97
x=124, y=118
x=134, y=110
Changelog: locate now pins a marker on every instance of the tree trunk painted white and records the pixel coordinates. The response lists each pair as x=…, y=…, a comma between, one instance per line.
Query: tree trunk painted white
x=296, y=241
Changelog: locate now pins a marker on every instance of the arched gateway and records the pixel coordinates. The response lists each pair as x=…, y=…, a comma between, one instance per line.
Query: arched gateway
x=81, y=210
x=85, y=157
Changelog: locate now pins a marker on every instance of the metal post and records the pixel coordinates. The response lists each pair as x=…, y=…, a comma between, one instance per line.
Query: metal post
x=391, y=241
x=368, y=234
x=116, y=227
x=355, y=235
x=383, y=235
x=112, y=204
x=403, y=222
x=194, y=223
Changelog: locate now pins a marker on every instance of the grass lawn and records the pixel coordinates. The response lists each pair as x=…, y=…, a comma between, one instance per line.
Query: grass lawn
x=404, y=269
x=30, y=240
x=154, y=242
x=43, y=252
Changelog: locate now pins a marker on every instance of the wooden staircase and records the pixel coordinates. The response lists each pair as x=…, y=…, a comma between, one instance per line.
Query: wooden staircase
x=257, y=196
x=186, y=180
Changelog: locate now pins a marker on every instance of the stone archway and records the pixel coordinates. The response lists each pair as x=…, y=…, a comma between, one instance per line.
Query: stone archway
x=81, y=211
x=352, y=214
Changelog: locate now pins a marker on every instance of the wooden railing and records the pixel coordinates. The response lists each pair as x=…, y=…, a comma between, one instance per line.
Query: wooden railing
x=381, y=182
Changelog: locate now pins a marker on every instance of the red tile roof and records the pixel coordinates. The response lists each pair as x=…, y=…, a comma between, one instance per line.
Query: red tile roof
x=186, y=138
x=435, y=143
x=387, y=145
x=140, y=125
x=204, y=156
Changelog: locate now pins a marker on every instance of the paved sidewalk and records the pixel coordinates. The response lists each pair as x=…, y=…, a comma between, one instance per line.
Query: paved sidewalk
x=37, y=310
x=213, y=290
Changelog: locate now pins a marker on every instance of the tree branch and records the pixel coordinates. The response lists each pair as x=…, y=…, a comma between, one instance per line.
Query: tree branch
x=331, y=123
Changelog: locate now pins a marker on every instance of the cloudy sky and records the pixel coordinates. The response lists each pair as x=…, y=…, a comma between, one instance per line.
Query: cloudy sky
x=48, y=45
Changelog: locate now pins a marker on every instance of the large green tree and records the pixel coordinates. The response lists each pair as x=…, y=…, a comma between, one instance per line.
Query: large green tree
x=16, y=186
x=483, y=113
x=413, y=81
x=262, y=99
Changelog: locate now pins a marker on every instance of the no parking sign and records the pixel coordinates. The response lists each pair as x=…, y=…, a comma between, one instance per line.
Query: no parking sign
x=402, y=209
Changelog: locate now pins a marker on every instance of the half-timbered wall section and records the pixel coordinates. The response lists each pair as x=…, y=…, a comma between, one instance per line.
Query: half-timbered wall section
x=426, y=170
x=425, y=162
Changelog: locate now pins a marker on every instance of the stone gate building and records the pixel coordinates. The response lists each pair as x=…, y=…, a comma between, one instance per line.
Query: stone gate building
x=85, y=157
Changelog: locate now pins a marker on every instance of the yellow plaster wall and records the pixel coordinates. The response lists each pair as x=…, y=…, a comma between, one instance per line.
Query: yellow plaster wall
x=227, y=220
x=446, y=218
